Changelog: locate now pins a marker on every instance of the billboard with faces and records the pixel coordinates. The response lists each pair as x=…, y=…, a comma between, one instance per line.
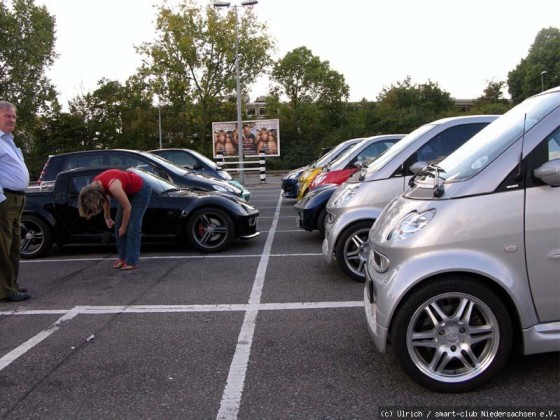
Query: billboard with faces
x=257, y=136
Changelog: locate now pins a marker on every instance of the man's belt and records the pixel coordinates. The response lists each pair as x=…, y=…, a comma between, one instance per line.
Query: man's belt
x=7, y=190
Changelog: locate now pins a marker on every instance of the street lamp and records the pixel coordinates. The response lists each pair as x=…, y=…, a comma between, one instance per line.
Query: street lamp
x=156, y=97
x=542, y=79
x=245, y=3
x=159, y=125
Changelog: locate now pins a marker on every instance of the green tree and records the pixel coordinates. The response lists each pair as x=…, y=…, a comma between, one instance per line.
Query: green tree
x=26, y=52
x=303, y=78
x=315, y=95
x=492, y=100
x=544, y=56
x=191, y=64
x=404, y=106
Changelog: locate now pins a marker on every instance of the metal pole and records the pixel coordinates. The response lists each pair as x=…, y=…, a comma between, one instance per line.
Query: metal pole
x=238, y=87
x=542, y=79
x=159, y=124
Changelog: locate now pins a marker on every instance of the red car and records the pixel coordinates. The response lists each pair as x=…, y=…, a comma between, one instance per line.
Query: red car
x=360, y=155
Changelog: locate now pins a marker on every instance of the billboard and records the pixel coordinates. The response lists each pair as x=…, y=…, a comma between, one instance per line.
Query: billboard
x=257, y=135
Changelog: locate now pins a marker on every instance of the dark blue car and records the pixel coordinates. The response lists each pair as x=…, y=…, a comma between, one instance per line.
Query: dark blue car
x=311, y=211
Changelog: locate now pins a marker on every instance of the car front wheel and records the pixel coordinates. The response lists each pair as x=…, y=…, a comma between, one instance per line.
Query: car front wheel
x=321, y=221
x=352, y=249
x=210, y=230
x=452, y=335
x=36, y=237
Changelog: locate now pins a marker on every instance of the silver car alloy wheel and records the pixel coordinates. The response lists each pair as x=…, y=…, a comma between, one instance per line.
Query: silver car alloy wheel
x=453, y=337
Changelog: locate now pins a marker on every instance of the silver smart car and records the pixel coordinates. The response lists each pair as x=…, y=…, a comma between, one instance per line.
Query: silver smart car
x=467, y=261
x=355, y=205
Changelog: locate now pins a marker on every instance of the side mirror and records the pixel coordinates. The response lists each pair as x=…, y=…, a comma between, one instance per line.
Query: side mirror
x=549, y=173
x=418, y=166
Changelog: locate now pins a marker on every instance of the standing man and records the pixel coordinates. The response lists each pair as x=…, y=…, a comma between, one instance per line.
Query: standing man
x=14, y=179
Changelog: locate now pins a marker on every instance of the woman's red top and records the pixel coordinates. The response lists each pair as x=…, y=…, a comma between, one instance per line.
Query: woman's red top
x=131, y=183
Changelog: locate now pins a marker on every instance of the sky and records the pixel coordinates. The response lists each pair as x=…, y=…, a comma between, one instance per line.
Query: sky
x=461, y=45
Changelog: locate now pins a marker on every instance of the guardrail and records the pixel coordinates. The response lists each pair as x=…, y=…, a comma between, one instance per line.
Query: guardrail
x=256, y=163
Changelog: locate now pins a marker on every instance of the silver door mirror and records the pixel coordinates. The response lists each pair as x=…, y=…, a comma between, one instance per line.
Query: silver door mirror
x=549, y=173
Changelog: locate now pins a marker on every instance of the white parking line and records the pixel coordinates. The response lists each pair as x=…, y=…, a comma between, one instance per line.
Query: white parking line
x=147, y=309
x=231, y=398
x=173, y=257
x=33, y=341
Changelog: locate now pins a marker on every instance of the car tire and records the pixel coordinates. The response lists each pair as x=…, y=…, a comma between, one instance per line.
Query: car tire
x=210, y=230
x=452, y=335
x=36, y=237
x=321, y=221
x=351, y=249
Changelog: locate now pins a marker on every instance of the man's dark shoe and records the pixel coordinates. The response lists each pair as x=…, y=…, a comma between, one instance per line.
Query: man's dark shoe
x=22, y=290
x=17, y=296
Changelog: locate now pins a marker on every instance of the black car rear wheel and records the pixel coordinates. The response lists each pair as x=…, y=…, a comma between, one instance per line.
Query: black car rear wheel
x=36, y=237
x=210, y=230
x=321, y=221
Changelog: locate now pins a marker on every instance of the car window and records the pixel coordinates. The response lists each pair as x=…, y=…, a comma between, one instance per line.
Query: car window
x=554, y=145
x=118, y=160
x=371, y=152
x=548, y=149
x=79, y=182
x=89, y=161
x=69, y=162
x=180, y=158
x=447, y=142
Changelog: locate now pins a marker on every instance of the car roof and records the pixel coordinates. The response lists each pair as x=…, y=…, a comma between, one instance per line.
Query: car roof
x=97, y=151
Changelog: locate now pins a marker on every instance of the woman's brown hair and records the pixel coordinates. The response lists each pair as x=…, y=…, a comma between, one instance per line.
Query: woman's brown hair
x=90, y=200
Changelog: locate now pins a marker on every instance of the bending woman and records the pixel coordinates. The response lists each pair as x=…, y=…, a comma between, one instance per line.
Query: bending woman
x=133, y=196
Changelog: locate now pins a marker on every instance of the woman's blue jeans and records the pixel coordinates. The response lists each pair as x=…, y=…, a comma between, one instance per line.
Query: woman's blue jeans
x=128, y=245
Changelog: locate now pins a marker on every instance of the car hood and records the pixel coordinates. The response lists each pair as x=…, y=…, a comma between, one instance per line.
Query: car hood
x=187, y=193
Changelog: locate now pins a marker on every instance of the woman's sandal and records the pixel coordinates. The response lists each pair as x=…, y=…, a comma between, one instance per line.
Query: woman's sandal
x=126, y=266
x=118, y=264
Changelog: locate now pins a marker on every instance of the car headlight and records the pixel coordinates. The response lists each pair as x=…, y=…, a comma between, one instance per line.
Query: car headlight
x=343, y=194
x=294, y=175
x=227, y=189
x=412, y=223
x=319, y=179
x=225, y=175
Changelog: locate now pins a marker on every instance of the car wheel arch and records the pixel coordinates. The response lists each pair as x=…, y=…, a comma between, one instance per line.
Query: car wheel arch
x=351, y=224
x=451, y=368
x=496, y=287
x=47, y=233
x=193, y=214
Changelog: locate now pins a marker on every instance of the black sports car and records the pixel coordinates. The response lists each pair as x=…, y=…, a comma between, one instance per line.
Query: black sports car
x=209, y=221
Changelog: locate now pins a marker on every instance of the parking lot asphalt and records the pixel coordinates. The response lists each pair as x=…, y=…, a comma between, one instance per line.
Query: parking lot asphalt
x=263, y=330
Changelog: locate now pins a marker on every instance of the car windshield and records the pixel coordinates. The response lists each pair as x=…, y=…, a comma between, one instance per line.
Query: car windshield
x=488, y=144
x=346, y=153
x=159, y=185
x=204, y=159
x=176, y=169
x=333, y=154
x=394, y=150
